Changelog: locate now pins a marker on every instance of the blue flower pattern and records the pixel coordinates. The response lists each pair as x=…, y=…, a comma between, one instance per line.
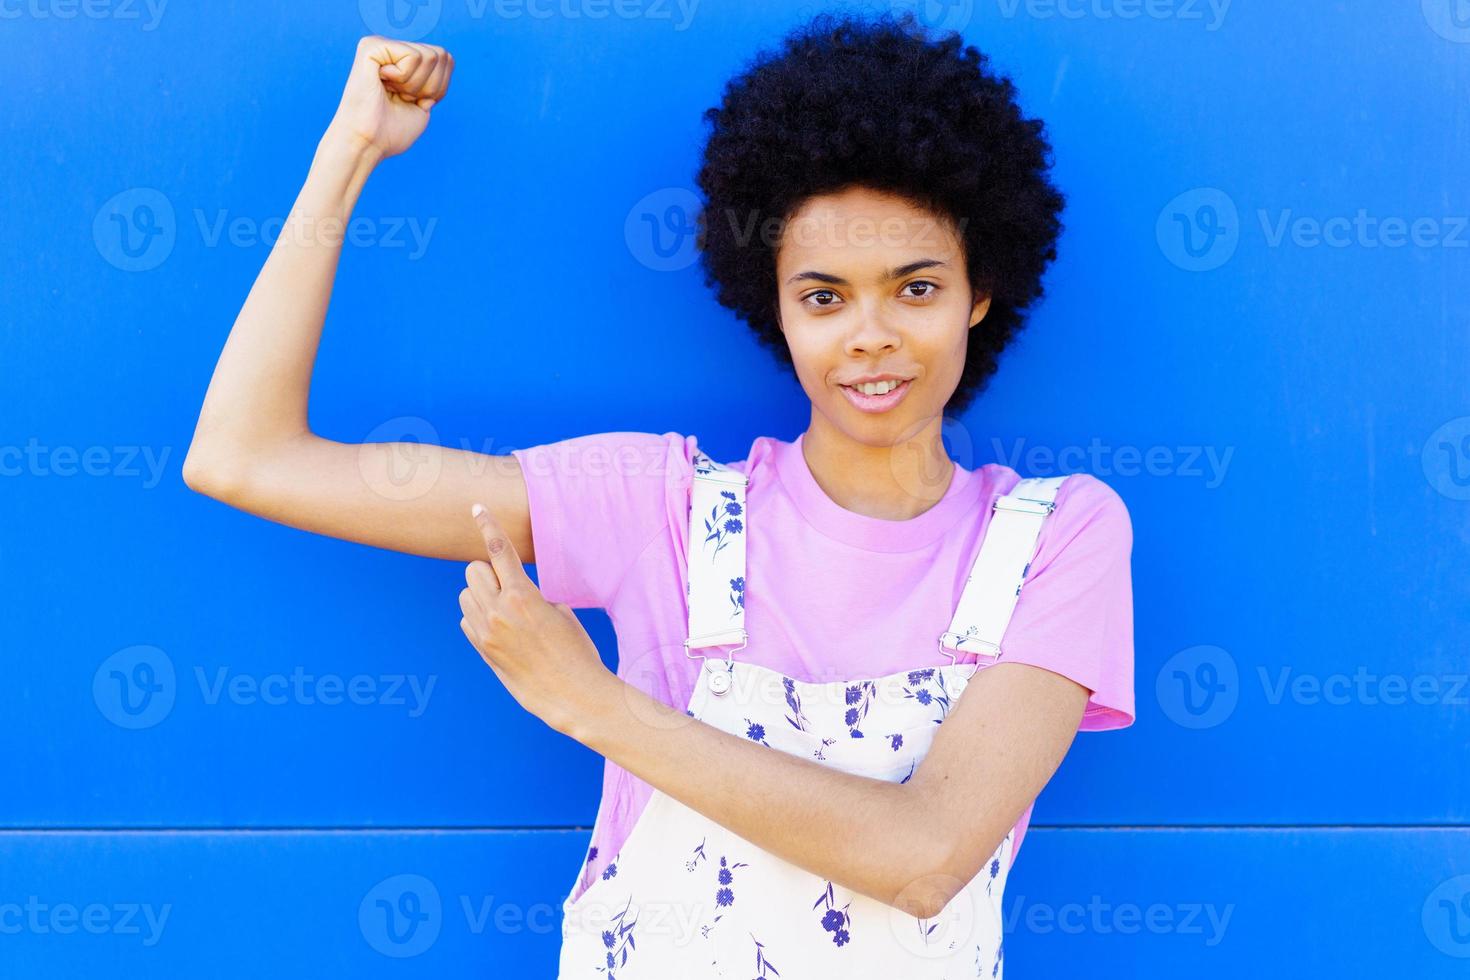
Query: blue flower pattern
x=859, y=699
x=618, y=941
x=764, y=969
x=722, y=524
x=836, y=921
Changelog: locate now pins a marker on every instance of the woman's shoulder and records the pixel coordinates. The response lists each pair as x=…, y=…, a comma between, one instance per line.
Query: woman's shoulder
x=1082, y=499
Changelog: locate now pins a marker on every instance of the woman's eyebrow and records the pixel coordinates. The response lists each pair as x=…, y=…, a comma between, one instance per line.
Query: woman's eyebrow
x=898, y=273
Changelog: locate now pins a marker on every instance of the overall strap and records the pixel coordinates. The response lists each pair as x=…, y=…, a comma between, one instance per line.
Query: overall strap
x=995, y=580
x=717, y=526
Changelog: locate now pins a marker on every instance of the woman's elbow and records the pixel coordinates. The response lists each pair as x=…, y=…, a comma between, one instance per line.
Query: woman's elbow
x=924, y=888
x=213, y=474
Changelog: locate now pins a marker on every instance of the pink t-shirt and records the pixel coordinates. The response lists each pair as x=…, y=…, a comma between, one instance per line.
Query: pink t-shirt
x=833, y=595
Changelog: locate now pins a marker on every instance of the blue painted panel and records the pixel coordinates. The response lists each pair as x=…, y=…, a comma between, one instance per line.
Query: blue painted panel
x=1295, y=407
x=1203, y=903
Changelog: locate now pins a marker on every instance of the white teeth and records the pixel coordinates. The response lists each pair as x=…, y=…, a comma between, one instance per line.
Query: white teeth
x=877, y=387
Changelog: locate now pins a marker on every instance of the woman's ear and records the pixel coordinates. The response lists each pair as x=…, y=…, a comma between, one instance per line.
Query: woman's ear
x=979, y=309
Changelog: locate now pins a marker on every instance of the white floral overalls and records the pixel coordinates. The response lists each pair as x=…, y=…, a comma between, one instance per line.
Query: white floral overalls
x=684, y=898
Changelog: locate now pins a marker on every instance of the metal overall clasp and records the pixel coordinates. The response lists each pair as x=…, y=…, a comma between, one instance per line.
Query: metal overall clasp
x=719, y=674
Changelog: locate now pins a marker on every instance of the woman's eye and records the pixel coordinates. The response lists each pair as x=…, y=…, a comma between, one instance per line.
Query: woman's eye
x=926, y=293
x=820, y=292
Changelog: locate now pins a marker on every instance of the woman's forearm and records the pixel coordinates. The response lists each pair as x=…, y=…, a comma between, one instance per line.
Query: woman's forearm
x=262, y=381
x=831, y=823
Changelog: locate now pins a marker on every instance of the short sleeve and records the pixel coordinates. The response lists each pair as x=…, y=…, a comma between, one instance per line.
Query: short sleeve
x=596, y=502
x=1075, y=612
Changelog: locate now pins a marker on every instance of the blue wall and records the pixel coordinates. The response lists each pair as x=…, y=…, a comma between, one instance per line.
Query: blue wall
x=1258, y=332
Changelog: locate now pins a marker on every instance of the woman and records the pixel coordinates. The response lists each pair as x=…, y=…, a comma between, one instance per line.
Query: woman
x=877, y=209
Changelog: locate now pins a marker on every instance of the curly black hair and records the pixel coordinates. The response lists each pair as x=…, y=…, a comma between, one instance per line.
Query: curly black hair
x=878, y=102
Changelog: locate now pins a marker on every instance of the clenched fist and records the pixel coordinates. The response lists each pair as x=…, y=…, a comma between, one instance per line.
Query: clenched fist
x=390, y=90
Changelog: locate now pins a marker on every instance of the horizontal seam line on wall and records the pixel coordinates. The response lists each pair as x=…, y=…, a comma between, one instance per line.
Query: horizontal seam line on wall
x=579, y=829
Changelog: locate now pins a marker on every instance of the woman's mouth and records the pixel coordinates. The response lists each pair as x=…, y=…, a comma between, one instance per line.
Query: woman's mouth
x=876, y=403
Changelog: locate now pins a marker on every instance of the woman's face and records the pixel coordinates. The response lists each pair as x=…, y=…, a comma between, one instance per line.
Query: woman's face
x=871, y=284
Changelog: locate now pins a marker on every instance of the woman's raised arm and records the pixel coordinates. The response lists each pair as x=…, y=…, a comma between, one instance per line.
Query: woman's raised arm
x=252, y=447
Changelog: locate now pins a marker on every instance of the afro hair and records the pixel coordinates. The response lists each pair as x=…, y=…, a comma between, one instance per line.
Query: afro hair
x=879, y=103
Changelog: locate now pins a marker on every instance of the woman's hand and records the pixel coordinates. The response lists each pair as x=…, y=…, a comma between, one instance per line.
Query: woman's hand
x=538, y=649
x=390, y=90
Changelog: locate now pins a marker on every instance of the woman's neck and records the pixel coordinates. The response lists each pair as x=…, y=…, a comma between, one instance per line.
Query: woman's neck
x=892, y=482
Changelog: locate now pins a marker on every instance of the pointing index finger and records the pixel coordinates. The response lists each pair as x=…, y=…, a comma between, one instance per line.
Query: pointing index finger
x=504, y=559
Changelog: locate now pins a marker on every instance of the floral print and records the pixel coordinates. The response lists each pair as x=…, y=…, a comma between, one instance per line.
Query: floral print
x=724, y=523
x=836, y=921
x=764, y=969
x=693, y=862
x=618, y=941
x=859, y=698
x=939, y=697
x=793, y=701
x=724, y=892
